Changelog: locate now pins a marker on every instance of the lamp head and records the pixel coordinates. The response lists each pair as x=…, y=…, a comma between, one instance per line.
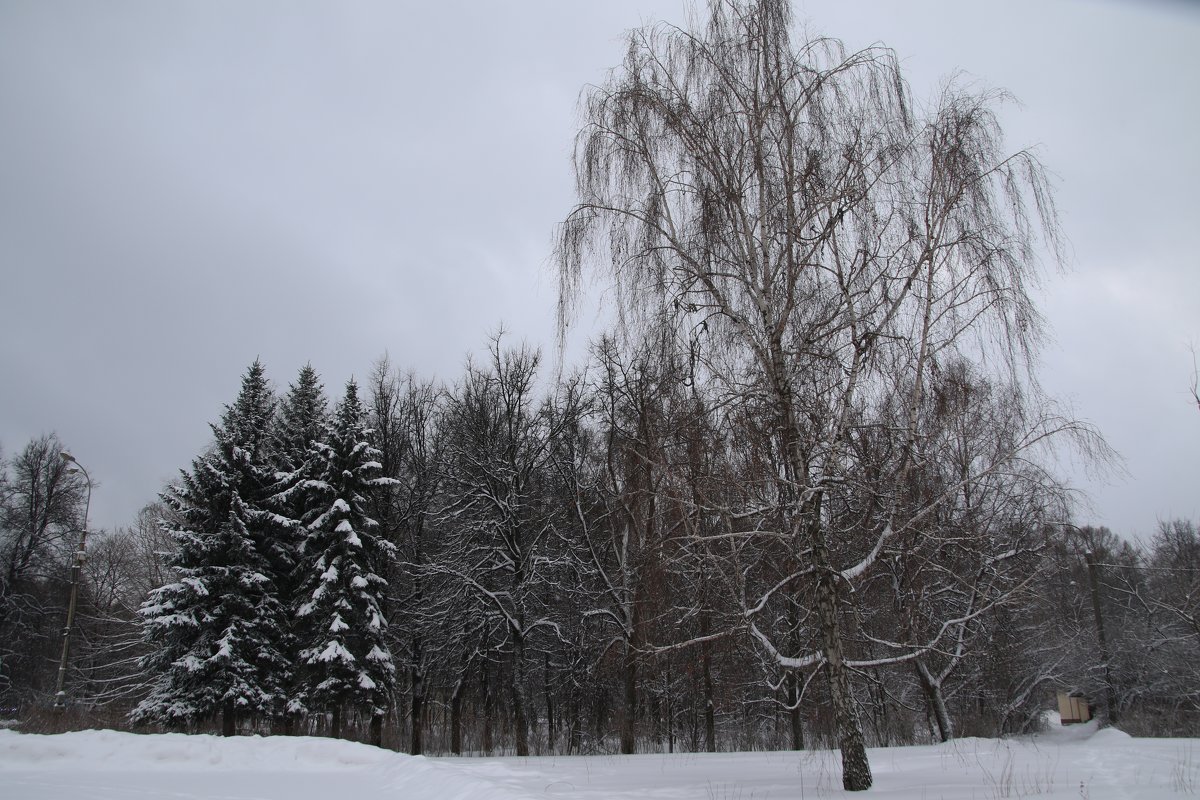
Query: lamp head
x=70, y=459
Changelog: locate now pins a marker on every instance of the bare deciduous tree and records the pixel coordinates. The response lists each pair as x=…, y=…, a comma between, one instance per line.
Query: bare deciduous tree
x=41, y=511
x=499, y=444
x=623, y=550
x=784, y=204
x=405, y=414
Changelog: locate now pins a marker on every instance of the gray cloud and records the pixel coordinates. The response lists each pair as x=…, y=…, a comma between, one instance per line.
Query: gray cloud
x=186, y=186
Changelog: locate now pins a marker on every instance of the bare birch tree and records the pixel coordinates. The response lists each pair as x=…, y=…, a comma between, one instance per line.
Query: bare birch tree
x=784, y=203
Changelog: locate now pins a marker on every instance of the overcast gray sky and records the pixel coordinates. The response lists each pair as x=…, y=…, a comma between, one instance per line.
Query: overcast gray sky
x=186, y=186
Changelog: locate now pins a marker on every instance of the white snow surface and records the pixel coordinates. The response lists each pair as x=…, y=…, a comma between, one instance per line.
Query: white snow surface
x=107, y=765
x=1063, y=763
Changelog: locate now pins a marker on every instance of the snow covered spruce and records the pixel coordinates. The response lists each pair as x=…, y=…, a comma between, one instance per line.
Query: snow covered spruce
x=339, y=621
x=278, y=606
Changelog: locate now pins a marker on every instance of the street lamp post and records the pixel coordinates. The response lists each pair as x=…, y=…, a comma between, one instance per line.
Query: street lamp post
x=60, y=696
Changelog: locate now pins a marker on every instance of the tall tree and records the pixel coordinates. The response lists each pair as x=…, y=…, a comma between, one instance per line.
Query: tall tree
x=622, y=550
x=978, y=549
x=217, y=633
x=41, y=510
x=1151, y=612
x=499, y=444
x=1175, y=556
x=784, y=203
x=301, y=422
x=344, y=657
x=404, y=414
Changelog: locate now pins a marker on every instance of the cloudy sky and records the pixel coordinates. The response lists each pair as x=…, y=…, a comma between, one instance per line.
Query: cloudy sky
x=186, y=186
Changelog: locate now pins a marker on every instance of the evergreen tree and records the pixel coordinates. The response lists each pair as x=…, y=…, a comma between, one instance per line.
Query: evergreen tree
x=344, y=656
x=302, y=419
x=302, y=422
x=218, y=634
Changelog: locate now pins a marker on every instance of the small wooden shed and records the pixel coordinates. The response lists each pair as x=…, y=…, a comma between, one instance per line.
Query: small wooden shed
x=1073, y=707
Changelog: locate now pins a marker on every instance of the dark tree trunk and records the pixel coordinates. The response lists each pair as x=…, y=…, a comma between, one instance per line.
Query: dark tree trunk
x=628, y=734
x=879, y=717
x=377, y=730
x=335, y=722
x=517, y=695
x=228, y=719
x=600, y=704
x=710, y=714
x=670, y=713
x=487, y=743
x=549, y=704
x=575, y=730
x=456, y=718
x=794, y=715
x=416, y=743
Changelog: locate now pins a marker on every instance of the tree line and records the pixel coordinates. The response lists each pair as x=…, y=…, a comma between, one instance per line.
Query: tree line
x=532, y=563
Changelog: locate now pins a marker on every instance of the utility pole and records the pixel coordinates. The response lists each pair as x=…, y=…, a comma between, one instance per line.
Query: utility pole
x=1110, y=695
x=60, y=695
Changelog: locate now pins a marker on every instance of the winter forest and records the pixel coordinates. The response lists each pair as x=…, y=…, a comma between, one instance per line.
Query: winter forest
x=806, y=492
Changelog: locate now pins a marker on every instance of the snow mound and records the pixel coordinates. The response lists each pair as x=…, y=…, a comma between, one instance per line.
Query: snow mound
x=203, y=766
x=125, y=751
x=1089, y=731
x=1111, y=736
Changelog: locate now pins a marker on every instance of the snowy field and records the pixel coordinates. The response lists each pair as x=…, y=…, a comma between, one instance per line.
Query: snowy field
x=1063, y=763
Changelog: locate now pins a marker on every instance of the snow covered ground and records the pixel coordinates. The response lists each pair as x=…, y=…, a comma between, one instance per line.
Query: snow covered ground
x=1064, y=763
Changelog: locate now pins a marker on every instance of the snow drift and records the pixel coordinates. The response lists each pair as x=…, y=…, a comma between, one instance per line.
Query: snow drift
x=1064, y=763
